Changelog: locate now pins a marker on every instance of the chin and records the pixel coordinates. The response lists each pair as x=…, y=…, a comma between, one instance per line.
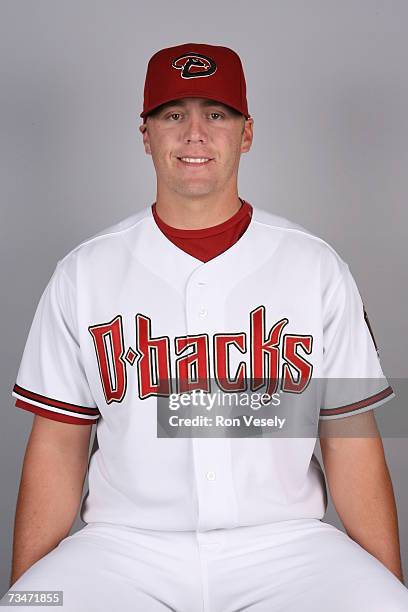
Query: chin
x=194, y=190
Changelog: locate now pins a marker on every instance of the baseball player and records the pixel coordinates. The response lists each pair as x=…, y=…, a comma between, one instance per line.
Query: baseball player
x=202, y=287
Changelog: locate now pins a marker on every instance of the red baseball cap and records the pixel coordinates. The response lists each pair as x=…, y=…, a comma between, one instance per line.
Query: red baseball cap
x=198, y=71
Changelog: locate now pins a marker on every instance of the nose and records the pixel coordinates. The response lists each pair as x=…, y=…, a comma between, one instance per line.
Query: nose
x=195, y=129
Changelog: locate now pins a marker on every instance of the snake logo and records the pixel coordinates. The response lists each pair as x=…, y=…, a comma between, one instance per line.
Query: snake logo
x=193, y=65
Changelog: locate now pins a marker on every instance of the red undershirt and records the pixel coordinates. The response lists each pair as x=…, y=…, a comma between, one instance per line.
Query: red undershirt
x=207, y=243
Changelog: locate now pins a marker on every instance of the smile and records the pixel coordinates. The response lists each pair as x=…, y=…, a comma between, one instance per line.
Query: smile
x=194, y=161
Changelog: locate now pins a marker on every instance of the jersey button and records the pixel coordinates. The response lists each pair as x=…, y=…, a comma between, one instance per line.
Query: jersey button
x=203, y=312
x=210, y=475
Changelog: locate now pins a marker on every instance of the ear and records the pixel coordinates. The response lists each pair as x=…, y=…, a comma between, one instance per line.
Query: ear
x=146, y=140
x=247, y=135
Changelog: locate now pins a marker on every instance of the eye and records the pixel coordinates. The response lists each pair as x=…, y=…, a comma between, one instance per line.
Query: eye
x=171, y=115
x=215, y=113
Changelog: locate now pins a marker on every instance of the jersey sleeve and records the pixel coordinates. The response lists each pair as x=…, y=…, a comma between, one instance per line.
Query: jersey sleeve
x=354, y=381
x=51, y=379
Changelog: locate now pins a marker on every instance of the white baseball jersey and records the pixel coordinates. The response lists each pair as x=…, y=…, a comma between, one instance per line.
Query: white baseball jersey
x=128, y=308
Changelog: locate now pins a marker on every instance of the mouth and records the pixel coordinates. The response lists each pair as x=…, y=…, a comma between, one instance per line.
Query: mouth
x=195, y=161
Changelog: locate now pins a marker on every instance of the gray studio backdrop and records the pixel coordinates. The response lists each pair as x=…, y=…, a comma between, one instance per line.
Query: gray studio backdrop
x=328, y=89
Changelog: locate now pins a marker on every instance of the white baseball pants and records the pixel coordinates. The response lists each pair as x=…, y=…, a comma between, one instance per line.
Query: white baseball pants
x=301, y=565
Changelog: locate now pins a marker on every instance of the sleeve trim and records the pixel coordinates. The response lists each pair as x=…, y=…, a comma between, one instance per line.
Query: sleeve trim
x=55, y=416
x=368, y=403
x=52, y=404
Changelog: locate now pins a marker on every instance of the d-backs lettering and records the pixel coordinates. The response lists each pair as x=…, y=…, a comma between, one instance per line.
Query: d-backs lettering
x=270, y=359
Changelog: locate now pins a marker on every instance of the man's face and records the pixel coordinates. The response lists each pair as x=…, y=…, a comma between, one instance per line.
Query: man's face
x=196, y=128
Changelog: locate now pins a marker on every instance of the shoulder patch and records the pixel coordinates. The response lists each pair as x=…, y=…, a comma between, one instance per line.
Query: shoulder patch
x=366, y=319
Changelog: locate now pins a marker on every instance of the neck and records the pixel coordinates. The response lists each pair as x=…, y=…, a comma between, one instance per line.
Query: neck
x=183, y=212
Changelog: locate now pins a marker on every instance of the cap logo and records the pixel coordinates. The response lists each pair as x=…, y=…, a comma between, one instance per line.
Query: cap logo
x=193, y=65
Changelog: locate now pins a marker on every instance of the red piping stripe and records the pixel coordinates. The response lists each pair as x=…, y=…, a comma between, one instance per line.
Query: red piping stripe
x=357, y=405
x=55, y=416
x=49, y=401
